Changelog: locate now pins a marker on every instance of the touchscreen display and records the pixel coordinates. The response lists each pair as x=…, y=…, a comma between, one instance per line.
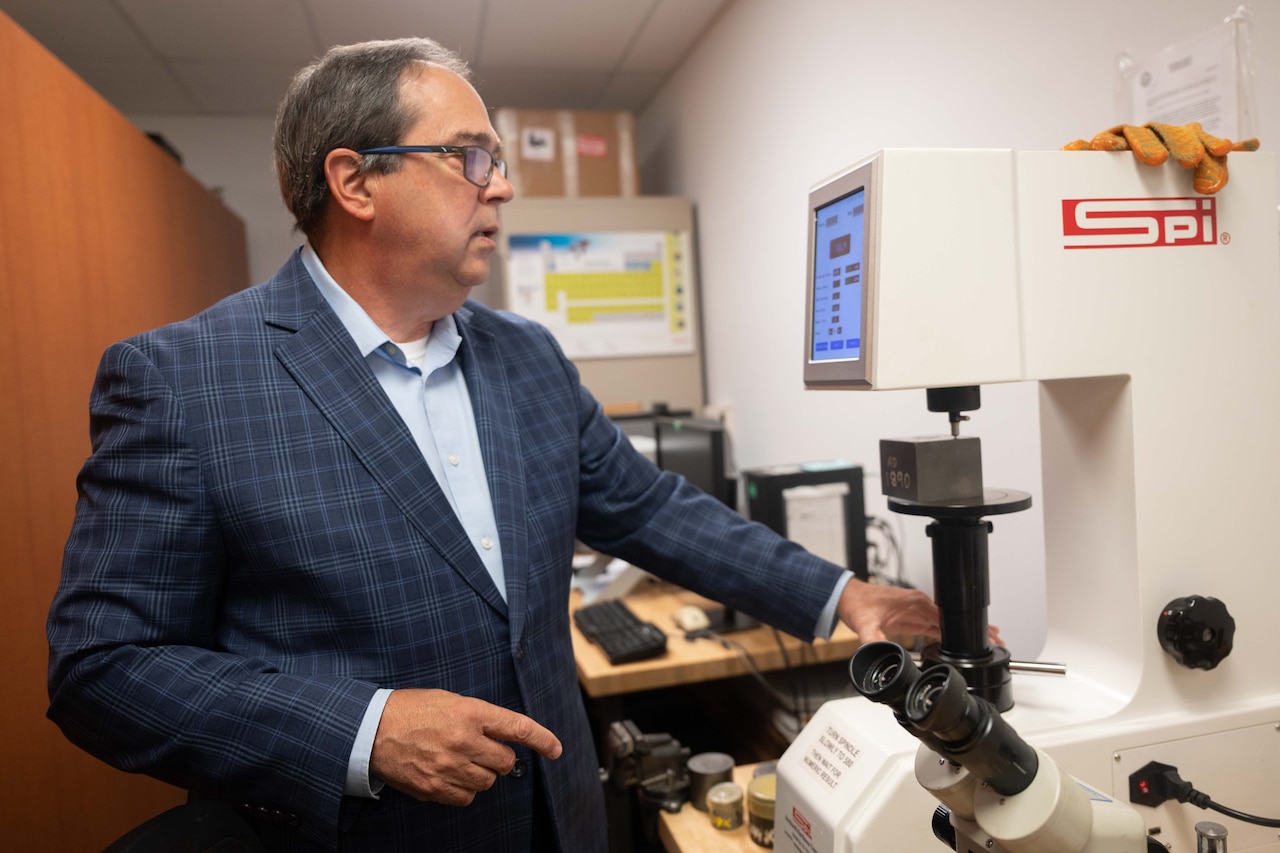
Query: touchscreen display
x=837, y=279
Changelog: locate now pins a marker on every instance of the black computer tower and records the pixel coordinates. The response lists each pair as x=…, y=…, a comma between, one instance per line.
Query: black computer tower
x=766, y=502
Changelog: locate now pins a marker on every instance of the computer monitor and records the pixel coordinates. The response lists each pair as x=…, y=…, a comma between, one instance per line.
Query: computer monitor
x=841, y=270
x=694, y=448
x=819, y=505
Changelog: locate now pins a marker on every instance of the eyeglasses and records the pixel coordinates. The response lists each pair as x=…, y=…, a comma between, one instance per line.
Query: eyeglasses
x=477, y=163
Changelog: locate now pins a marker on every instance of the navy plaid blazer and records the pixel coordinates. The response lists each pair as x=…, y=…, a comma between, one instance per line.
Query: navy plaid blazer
x=259, y=544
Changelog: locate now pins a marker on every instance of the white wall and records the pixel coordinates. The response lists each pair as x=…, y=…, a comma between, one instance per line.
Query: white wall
x=780, y=95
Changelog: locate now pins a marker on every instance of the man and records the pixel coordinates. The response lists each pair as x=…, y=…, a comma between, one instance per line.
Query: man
x=321, y=559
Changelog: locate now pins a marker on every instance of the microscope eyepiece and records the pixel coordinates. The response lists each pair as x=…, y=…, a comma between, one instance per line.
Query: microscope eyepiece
x=970, y=731
x=883, y=672
x=940, y=702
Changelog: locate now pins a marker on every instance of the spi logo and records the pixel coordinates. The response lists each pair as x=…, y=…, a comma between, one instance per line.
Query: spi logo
x=1114, y=223
x=802, y=823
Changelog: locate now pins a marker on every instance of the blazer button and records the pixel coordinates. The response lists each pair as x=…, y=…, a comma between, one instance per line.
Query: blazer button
x=519, y=769
x=520, y=651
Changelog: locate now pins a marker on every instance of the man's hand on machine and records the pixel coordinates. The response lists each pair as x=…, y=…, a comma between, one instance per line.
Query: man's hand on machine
x=876, y=612
x=1154, y=143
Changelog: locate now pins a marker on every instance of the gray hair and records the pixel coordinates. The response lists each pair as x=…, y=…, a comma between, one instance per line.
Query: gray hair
x=349, y=98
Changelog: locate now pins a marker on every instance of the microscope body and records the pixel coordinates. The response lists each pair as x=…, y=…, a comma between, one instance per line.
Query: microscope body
x=1147, y=315
x=1055, y=814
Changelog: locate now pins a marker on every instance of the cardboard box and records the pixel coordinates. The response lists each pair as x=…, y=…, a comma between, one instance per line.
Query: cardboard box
x=569, y=153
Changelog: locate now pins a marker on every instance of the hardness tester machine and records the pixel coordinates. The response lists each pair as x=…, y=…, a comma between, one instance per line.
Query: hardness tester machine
x=1150, y=317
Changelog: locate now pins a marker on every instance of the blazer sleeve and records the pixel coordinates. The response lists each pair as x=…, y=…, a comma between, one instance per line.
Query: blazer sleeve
x=660, y=522
x=136, y=675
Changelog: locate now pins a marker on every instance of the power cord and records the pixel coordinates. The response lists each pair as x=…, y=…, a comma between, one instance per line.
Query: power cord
x=758, y=674
x=1155, y=783
x=801, y=709
x=788, y=705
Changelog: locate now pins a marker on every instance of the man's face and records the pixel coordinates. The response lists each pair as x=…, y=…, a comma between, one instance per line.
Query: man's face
x=437, y=230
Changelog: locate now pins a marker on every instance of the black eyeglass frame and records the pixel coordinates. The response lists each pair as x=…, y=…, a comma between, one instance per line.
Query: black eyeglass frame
x=468, y=152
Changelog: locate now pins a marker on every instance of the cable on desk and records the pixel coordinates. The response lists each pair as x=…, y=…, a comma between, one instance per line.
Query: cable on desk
x=799, y=705
x=753, y=670
x=800, y=678
x=792, y=673
x=804, y=673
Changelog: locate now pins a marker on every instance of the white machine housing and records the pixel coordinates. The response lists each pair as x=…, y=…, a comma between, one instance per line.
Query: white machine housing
x=1155, y=338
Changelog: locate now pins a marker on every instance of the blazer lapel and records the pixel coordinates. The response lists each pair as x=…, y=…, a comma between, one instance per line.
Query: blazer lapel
x=490, y=391
x=324, y=361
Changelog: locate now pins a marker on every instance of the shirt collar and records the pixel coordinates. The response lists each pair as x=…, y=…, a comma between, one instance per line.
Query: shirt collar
x=444, y=338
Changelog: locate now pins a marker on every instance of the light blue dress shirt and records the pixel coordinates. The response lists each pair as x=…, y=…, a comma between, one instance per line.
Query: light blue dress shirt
x=424, y=382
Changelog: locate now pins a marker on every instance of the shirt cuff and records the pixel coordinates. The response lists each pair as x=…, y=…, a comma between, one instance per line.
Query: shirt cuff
x=827, y=618
x=358, y=782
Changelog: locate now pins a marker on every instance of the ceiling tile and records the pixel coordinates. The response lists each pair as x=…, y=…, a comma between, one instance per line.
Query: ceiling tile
x=545, y=90
x=454, y=24
x=630, y=92
x=560, y=35
x=226, y=30
x=88, y=29
x=669, y=33
x=137, y=87
x=234, y=57
x=236, y=88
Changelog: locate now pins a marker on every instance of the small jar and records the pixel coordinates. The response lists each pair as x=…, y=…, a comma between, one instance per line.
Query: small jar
x=724, y=804
x=761, y=794
x=707, y=769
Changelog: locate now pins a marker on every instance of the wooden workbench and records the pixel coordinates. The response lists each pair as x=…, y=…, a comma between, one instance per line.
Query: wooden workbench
x=691, y=661
x=690, y=830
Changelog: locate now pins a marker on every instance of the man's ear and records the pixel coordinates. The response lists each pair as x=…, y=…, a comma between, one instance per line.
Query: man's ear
x=349, y=186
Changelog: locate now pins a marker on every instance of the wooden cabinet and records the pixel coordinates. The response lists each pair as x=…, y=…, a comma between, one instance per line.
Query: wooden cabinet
x=101, y=235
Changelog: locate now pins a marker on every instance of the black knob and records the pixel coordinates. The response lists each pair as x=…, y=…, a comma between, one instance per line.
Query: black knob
x=967, y=398
x=942, y=828
x=1196, y=631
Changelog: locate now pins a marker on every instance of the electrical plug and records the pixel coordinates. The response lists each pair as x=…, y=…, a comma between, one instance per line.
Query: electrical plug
x=1155, y=783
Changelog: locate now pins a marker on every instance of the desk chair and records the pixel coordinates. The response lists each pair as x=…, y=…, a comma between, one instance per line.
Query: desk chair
x=198, y=827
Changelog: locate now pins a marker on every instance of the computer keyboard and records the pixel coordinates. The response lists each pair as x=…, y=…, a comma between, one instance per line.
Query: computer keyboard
x=618, y=632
